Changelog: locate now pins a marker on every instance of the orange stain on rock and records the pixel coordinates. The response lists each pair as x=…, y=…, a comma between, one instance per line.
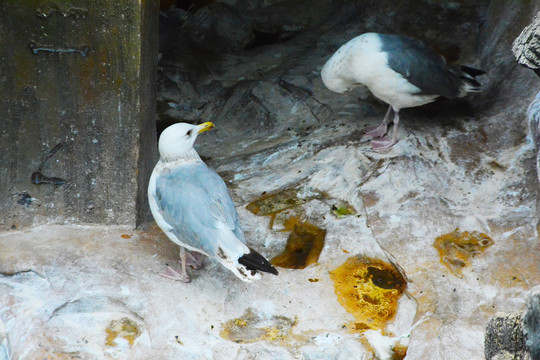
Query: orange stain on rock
x=303, y=248
x=457, y=248
x=369, y=289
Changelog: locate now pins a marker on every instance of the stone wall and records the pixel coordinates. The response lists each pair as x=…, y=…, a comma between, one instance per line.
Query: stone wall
x=77, y=129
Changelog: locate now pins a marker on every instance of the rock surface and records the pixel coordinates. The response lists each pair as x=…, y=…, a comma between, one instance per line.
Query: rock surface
x=531, y=323
x=515, y=335
x=534, y=129
x=95, y=292
x=505, y=338
x=468, y=164
x=526, y=47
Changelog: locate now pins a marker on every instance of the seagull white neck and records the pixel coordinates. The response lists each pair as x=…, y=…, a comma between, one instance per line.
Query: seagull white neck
x=188, y=156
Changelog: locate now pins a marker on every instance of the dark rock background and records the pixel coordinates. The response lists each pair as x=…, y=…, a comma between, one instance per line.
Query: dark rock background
x=262, y=76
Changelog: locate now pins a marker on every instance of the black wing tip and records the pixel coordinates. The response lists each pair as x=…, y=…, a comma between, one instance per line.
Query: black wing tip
x=255, y=261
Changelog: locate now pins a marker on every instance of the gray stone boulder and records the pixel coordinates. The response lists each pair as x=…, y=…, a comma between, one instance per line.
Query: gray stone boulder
x=515, y=335
x=526, y=47
x=531, y=323
x=504, y=338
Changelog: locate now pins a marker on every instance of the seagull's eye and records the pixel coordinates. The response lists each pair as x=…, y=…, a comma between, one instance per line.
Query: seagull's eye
x=189, y=133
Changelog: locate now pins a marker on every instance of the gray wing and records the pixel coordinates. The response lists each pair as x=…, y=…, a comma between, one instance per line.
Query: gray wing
x=422, y=66
x=195, y=201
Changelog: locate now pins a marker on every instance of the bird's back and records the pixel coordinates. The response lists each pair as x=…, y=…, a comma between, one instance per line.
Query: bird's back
x=422, y=66
x=194, y=201
x=399, y=70
x=192, y=205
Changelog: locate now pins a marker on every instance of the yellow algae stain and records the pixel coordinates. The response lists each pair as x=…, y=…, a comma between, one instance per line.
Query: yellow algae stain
x=457, y=248
x=126, y=328
x=306, y=240
x=303, y=248
x=272, y=204
x=291, y=222
x=369, y=289
x=250, y=327
x=399, y=352
x=240, y=322
x=275, y=202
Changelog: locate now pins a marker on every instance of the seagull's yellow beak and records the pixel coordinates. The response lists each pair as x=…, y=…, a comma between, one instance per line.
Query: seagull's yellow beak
x=204, y=127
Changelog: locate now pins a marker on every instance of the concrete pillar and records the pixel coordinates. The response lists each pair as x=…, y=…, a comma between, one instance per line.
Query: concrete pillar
x=77, y=110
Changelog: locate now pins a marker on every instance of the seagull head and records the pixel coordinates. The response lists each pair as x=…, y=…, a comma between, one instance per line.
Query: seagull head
x=177, y=140
x=333, y=81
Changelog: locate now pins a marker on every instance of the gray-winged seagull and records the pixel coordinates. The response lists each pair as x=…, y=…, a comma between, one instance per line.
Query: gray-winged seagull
x=192, y=205
x=401, y=71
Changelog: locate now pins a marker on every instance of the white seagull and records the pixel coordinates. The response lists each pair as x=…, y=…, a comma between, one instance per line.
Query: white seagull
x=401, y=71
x=192, y=205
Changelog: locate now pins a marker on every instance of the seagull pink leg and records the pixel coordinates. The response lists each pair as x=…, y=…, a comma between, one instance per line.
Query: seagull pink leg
x=382, y=128
x=385, y=142
x=172, y=274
